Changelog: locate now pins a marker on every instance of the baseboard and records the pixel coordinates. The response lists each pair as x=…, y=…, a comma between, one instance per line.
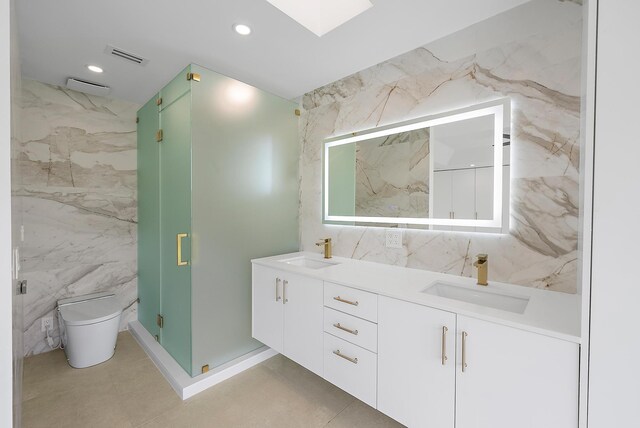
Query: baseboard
x=185, y=385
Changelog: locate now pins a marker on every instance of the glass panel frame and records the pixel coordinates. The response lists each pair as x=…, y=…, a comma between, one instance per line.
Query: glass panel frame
x=500, y=110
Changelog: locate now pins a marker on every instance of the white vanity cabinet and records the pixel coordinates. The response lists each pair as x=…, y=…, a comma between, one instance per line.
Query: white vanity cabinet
x=351, y=340
x=287, y=315
x=511, y=378
x=416, y=363
x=420, y=365
x=514, y=378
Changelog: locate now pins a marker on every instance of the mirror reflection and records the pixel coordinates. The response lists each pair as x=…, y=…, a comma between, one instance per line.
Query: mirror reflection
x=444, y=170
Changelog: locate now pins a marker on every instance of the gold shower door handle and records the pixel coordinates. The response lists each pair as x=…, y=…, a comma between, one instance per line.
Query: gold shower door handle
x=179, y=237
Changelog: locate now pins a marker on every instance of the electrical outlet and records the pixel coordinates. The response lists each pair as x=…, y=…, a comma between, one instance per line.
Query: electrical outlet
x=47, y=323
x=394, y=238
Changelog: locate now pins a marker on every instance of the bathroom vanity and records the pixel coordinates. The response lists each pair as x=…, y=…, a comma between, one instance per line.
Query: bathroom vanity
x=425, y=348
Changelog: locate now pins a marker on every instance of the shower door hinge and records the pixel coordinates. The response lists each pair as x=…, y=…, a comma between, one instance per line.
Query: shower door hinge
x=137, y=120
x=297, y=112
x=22, y=287
x=193, y=76
x=160, y=321
x=159, y=101
x=157, y=338
x=159, y=135
x=205, y=368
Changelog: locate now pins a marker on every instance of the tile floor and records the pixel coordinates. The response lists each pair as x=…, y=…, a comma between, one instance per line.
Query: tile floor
x=128, y=391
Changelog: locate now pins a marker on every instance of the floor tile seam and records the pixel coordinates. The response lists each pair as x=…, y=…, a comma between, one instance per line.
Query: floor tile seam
x=353, y=400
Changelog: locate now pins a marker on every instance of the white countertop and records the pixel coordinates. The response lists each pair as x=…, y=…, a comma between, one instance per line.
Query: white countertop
x=549, y=313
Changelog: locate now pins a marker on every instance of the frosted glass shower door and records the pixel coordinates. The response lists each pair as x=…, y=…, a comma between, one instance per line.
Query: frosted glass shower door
x=175, y=220
x=149, y=217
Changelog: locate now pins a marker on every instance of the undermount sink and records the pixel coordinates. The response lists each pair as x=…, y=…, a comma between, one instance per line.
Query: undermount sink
x=308, y=262
x=478, y=296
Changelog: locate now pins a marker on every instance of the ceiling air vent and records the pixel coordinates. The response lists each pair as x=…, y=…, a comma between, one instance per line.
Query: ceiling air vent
x=88, y=87
x=128, y=56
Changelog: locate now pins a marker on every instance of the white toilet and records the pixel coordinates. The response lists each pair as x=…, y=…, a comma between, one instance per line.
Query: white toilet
x=89, y=328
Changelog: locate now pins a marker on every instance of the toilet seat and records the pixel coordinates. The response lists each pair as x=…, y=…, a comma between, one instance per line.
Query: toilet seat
x=89, y=309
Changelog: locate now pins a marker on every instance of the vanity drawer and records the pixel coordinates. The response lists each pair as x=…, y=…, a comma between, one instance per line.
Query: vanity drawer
x=351, y=368
x=352, y=329
x=355, y=302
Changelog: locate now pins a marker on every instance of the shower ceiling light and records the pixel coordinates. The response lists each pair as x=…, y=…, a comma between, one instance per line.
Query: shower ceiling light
x=321, y=16
x=94, y=68
x=242, y=29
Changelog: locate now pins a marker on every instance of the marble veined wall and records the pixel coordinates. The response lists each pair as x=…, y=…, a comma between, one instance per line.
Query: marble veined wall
x=531, y=54
x=78, y=195
x=392, y=175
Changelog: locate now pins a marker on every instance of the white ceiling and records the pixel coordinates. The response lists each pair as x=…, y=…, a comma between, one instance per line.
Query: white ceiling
x=59, y=38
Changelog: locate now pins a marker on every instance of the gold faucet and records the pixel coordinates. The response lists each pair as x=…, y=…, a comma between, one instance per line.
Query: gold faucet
x=327, y=247
x=483, y=268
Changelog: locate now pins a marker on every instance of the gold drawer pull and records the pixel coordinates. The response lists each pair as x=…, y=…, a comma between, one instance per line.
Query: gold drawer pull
x=349, y=302
x=444, y=345
x=354, y=332
x=464, y=351
x=351, y=360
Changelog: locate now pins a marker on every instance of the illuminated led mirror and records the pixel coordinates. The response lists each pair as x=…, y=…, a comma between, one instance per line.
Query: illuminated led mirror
x=448, y=172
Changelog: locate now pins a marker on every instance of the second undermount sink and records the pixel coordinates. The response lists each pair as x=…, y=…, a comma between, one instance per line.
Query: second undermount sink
x=309, y=262
x=489, y=298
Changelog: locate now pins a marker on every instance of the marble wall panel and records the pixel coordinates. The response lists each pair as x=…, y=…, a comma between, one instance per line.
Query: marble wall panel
x=539, y=70
x=392, y=175
x=77, y=157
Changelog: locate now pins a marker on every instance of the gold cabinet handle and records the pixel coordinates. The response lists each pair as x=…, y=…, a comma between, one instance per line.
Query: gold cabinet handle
x=340, y=299
x=464, y=351
x=179, y=237
x=284, y=291
x=444, y=345
x=348, y=330
x=277, y=290
x=352, y=360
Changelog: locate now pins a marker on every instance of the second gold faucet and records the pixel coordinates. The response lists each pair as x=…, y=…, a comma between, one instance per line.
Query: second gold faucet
x=483, y=269
x=327, y=247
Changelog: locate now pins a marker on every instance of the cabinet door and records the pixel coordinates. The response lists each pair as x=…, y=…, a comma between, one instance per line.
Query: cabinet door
x=268, y=311
x=415, y=386
x=149, y=217
x=514, y=378
x=441, y=189
x=175, y=219
x=303, y=321
x=463, y=194
x=484, y=193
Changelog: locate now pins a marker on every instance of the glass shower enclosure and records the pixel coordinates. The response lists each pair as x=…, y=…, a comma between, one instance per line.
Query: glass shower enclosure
x=217, y=186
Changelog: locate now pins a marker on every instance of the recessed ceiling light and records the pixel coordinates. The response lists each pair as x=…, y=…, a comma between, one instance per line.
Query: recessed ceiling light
x=321, y=16
x=94, y=68
x=242, y=29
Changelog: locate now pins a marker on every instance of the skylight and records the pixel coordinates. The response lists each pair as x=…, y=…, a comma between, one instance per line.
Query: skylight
x=321, y=16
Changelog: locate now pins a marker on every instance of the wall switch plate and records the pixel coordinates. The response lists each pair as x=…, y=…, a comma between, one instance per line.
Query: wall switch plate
x=394, y=238
x=47, y=323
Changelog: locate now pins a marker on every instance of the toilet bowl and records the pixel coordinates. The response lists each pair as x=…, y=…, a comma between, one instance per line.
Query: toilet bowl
x=89, y=328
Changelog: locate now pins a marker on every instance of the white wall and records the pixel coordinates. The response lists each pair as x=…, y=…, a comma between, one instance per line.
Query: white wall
x=614, y=379
x=587, y=129
x=6, y=370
